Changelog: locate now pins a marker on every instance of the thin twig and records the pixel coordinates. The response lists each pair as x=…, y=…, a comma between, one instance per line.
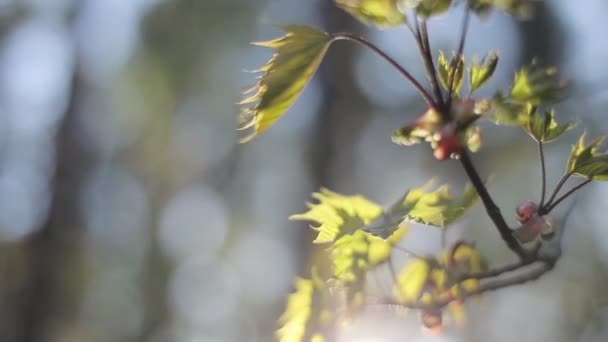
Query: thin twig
x=427, y=57
x=559, y=186
x=491, y=208
x=491, y=285
x=570, y=192
x=346, y=36
x=494, y=272
x=544, y=173
x=463, y=36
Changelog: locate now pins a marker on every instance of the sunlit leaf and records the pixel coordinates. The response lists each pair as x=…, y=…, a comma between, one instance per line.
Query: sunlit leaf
x=439, y=208
x=354, y=255
x=587, y=160
x=543, y=126
x=451, y=72
x=412, y=280
x=519, y=8
x=428, y=8
x=535, y=85
x=503, y=111
x=382, y=13
x=481, y=72
x=338, y=215
x=304, y=318
x=297, y=57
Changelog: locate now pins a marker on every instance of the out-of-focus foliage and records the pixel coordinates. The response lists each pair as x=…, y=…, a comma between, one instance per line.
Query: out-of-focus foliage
x=532, y=85
x=481, y=72
x=305, y=319
x=382, y=13
x=296, y=59
x=543, y=127
x=451, y=72
x=588, y=160
x=338, y=215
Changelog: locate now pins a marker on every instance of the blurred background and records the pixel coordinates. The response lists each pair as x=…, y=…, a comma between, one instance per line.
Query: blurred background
x=128, y=212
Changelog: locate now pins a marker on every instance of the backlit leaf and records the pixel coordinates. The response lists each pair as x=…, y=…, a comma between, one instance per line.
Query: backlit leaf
x=535, y=85
x=481, y=72
x=304, y=318
x=439, y=208
x=428, y=8
x=338, y=215
x=587, y=160
x=382, y=13
x=297, y=57
x=543, y=126
x=451, y=72
x=412, y=280
x=354, y=255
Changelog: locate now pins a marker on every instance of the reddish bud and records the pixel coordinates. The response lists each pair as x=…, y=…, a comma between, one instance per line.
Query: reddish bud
x=432, y=322
x=448, y=144
x=525, y=211
x=536, y=226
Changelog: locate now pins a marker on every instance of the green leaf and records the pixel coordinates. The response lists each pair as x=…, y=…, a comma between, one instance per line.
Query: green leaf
x=451, y=73
x=587, y=160
x=536, y=85
x=412, y=280
x=354, y=255
x=304, y=318
x=338, y=215
x=296, y=59
x=481, y=72
x=429, y=8
x=519, y=8
x=503, y=111
x=382, y=13
x=543, y=127
x=437, y=208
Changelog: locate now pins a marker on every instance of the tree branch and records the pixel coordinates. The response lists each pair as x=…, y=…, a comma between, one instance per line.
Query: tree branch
x=463, y=36
x=559, y=186
x=544, y=173
x=346, y=36
x=491, y=208
x=552, y=206
x=424, y=45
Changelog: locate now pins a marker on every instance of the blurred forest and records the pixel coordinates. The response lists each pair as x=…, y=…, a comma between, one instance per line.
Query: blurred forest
x=128, y=212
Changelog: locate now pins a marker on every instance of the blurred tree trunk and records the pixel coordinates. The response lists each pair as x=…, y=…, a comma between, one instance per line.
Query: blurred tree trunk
x=53, y=255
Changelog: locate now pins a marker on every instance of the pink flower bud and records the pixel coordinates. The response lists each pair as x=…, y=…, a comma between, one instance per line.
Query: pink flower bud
x=448, y=144
x=533, y=228
x=525, y=211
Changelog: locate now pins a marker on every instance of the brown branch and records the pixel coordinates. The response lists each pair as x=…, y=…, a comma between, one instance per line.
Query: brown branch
x=424, y=45
x=559, y=186
x=490, y=285
x=361, y=41
x=552, y=206
x=492, y=209
x=543, y=172
x=463, y=36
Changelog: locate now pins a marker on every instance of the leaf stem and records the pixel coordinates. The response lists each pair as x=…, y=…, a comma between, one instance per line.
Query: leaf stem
x=422, y=37
x=491, y=208
x=570, y=192
x=463, y=36
x=544, y=173
x=559, y=186
x=363, y=42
